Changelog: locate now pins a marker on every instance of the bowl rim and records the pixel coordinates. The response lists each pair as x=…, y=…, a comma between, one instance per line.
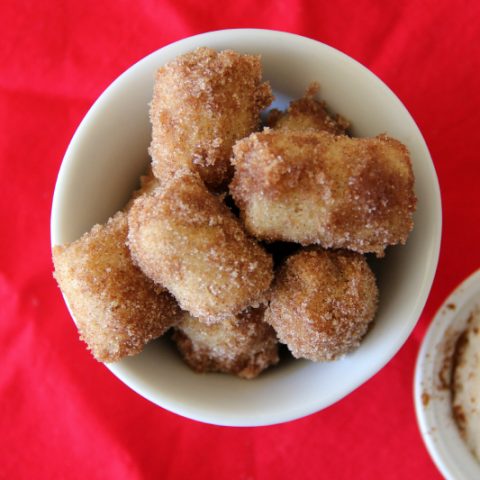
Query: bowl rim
x=430, y=269
x=437, y=427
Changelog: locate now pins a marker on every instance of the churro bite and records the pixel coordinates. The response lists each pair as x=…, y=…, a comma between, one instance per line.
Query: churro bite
x=318, y=188
x=203, y=102
x=148, y=183
x=239, y=238
x=184, y=238
x=322, y=303
x=244, y=345
x=116, y=307
x=308, y=113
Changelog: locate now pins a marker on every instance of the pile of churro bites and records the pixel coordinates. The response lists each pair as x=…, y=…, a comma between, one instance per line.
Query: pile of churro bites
x=242, y=235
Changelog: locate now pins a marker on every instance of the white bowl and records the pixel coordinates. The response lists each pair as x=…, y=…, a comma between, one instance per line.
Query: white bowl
x=108, y=153
x=432, y=375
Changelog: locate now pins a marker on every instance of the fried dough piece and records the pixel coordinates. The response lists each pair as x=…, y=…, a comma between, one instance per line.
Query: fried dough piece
x=244, y=345
x=307, y=113
x=322, y=303
x=318, y=188
x=466, y=383
x=203, y=102
x=184, y=238
x=116, y=307
x=148, y=183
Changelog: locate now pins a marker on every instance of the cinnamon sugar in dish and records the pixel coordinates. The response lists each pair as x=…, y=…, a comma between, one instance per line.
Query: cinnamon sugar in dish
x=466, y=383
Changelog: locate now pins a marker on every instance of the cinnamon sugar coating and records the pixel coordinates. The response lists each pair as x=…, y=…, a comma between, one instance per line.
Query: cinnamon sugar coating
x=318, y=188
x=244, y=345
x=184, y=238
x=307, y=113
x=322, y=303
x=203, y=102
x=148, y=183
x=116, y=307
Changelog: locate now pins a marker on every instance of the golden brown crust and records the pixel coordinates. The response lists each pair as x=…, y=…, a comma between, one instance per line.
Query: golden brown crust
x=183, y=237
x=318, y=188
x=307, y=113
x=203, y=102
x=117, y=309
x=244, y=345
x=322, y=303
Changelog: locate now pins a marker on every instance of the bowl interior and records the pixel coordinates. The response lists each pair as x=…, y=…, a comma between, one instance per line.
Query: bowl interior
x=109, y=152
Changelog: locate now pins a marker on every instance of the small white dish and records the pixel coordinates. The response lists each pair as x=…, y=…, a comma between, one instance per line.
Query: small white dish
x=108, y=153
x=432, y=384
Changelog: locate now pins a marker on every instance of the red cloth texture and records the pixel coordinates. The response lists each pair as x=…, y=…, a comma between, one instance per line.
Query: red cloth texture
x=62, y=414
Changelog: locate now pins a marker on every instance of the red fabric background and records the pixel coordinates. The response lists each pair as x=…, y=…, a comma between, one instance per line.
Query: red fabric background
x=63, y=415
